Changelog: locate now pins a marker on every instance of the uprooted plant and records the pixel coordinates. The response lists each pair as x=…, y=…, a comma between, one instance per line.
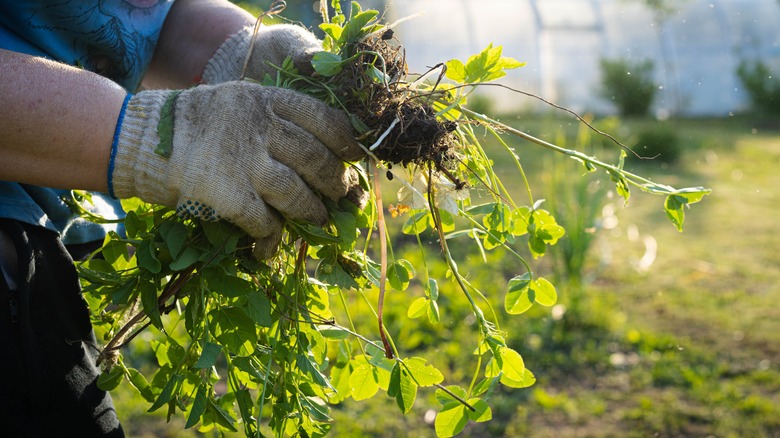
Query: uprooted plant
x=267, y=331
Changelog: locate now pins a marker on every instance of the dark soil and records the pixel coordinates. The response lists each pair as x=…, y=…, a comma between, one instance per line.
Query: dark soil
x=418, y=137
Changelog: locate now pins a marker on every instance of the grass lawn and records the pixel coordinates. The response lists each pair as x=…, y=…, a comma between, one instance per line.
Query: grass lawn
x=692, y=342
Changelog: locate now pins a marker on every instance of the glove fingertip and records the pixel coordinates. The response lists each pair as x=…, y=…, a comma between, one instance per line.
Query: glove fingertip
x=266, y=247
x=357, y=195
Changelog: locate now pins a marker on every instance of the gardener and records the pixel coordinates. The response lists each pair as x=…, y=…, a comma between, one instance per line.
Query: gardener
x=225, y=149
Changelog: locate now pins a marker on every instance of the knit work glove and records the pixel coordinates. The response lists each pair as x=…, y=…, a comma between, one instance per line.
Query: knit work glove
x=239, y=151
x=273, y=44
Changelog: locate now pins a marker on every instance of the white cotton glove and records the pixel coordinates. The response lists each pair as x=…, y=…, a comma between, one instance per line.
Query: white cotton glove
x=239, y=151
x=273, y=44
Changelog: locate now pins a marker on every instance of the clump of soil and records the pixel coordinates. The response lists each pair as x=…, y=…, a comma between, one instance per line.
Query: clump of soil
x=417, y=136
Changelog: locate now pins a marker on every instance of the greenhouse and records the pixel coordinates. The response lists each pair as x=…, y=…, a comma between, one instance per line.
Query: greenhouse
x=695, y=46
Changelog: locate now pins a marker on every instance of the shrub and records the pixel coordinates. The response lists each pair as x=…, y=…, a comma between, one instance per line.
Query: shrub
x=660, y=143
x=628, y=85
x=763, y=89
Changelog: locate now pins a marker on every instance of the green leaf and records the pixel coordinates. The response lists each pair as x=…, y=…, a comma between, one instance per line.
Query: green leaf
x=621, y=184
x=355, y=9
x=330, y=271
x=500, y=219
x=482, y=411
x=134, y=225
x=402, y=387
x=245, y=405
x=313, y=234
x=399, y=274
x=484, y=385
x=165, y=126
x=394, y=387
x=339, y=378
x=307, y=366
x=433, y=312
x=432, y=289
x=168, y=353
x=121, y=295
x=149, y=302
x=492, y=240
x=147, y=257
x=234, y=329
x=488, y=65
x=418, y=308
x=675, y=210
x=208, y=357
x=316, y=408
x=456, y=71
x=258, y=307
x=246, y=365
x=521, y=219
x=424, y=373
x=227, y=285
x=141, y=384
x=334, y=30
x=417, y=222
x=175, y=236
x=451, y=420
x=675, y=203
x=507, y=63
x=326, y=63
x=519, y=299
x=114, y=250
x=528, y=380
x=693, y=194
x=187, y=257
x=444, y=398
x=544, y=225
x=221, y=416
x=333, y=332
x=361, y=128
x=98, y=271
x=198, y=407
x=364, y=382
x=512, y=363
x=109, y=380
x=165, y=396
x=346, y=227
x=544, y=292
x=352, y=30
x=544, y=230
x=222, y=234
x=377, y=75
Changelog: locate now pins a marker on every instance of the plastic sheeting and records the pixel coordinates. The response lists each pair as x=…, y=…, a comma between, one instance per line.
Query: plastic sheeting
x=696, y=48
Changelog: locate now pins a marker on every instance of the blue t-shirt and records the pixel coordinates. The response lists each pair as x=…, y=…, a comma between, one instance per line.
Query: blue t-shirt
x=114, y=38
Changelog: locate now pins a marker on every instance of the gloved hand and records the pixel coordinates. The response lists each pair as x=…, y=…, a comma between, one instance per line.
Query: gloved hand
x=273, y=44
x=239, y=151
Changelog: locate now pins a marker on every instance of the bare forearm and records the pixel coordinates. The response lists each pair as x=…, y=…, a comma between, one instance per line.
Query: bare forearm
x=56, y=123
x=193, y=31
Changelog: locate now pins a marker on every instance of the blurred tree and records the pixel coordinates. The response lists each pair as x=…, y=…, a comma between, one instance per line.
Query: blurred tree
x=761, y=85
x=628, y=85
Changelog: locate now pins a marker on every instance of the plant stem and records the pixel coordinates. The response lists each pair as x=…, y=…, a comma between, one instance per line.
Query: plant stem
x=383, y=261
x=636, y=180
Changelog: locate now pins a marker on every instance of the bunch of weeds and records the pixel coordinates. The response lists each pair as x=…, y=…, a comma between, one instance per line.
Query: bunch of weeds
x=265, y=333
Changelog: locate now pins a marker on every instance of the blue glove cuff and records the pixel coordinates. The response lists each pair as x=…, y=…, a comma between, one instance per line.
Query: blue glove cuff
x=114, y=143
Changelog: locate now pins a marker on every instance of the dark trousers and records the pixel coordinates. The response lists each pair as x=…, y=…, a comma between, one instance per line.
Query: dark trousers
x=48, y=377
